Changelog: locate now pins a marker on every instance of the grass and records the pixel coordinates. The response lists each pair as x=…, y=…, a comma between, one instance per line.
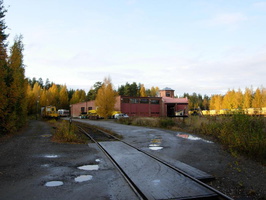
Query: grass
x=239, y=133
x=67, y=133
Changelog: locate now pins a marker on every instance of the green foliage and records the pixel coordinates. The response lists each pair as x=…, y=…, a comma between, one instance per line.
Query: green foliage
x=91, y=95
x=166, y=122
x=67, y=133
x=13, y=108
x=135, y=90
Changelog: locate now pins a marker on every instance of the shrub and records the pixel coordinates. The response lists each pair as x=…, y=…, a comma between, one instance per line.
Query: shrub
x=239, y=132
x=67, y=133
x=166, y=122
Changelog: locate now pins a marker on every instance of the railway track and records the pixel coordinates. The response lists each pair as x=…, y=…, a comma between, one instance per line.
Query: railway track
x=148, y=176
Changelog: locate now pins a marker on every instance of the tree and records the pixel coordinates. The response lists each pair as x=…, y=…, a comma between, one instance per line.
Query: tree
x=142, y=91
x=63, y=97
x=257, y=101
x=247, y=98
x=18, y=85
x=106, y=99
x=78, y=96
x=53, y=95
x=263, y=93
x=91, y=95
x=3, y=71
x=206, y=102
x=228, y=101
x=154, y=91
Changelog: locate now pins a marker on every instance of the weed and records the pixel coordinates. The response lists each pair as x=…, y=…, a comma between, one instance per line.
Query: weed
x=67, y=133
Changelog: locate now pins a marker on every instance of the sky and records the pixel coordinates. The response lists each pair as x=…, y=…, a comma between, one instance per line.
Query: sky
x=202, y=46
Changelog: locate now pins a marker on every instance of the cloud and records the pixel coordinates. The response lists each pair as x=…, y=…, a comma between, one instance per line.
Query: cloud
x=227, y=19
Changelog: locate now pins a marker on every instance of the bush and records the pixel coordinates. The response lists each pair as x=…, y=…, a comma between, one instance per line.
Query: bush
x=67, y=133
x=166, y=122
x=239, y=132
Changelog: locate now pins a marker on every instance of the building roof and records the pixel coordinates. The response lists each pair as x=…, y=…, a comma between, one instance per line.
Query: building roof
x=167, y=88
x=174, y=100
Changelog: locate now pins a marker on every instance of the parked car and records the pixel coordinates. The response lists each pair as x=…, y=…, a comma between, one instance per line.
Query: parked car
x=120, y=115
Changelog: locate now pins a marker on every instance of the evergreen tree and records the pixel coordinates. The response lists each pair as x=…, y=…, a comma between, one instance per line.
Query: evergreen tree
x=91, y=95
x=3, y=72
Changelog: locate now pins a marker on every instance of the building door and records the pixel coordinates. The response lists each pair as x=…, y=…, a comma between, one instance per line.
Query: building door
x=170, y=110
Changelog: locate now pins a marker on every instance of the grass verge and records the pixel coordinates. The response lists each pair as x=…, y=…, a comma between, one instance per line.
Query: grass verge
x=239, y=133
x=67, y=133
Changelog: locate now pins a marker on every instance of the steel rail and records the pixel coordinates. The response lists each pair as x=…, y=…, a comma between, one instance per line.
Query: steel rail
x=136, y=190
x=174, y=168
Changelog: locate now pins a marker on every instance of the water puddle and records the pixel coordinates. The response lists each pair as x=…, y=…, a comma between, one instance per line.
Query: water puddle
x=89, y=167
x=54, y=183
x=155, y=148
x=51, y=156
x=46, y=135
x=156, y=182
x=45, y=165
x=98, y=160
x=155, y=144
x=83, y=178
x=191, y=137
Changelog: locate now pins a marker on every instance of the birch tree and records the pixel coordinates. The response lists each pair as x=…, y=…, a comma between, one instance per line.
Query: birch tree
x=106, y=99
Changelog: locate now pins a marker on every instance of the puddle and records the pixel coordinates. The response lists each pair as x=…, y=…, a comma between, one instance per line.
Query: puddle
x=54, y=183
x=89, y=167
x=51, y=156
x=155, y=148
x=156, y=144
x=191, y=137
x=45, y=165
x=156, y=182
x=98, y=160
x=83, y=178
x=46, y=135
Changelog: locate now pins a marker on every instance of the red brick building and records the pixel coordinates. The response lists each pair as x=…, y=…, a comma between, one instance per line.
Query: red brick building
x=165, y=105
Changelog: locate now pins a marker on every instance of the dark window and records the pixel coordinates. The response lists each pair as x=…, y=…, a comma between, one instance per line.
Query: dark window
x=134, y=100
x=125, y=100
x=82, y=109
x=144, y=100
x=89, y=108
x=168, y=94
x=155, y=101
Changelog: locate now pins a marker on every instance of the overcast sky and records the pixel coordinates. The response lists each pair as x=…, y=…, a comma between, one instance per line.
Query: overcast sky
x=202, y=46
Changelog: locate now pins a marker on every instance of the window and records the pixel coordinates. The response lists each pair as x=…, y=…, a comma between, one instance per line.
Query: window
x=125, y=100
x=89, y=108
x=168, y=94
x=82, y=109
x=144, y=100
x=155, y=101
x=134, y=100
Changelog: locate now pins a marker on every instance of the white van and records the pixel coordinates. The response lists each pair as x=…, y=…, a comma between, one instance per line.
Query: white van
x=120, y=115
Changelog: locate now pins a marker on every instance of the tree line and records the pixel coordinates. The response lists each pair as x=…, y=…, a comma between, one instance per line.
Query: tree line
x=13, y=85
x=233, y=99
x=40, y=94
